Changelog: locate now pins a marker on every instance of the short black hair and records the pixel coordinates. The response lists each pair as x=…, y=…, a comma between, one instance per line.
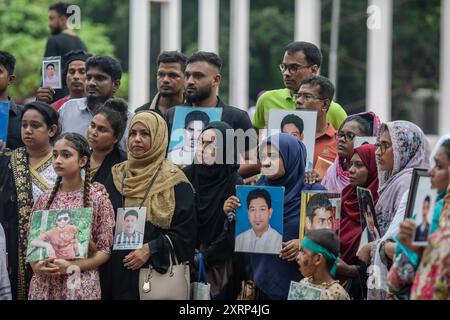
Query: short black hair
x=50, y=115
x=311, y=51
x=107, y=64
x=62, y=213
x=131, y=212
x=318, y=200
x=326, y=88
x=50, y=64
x=327, y=239
x=209, y=57
x=364, y=124
x=61, y=8
x=116, y=112
x=196, y=116
x=295, y=120
x=172, y=57
x=8, y=61
x=259, y=193
x=427, y=199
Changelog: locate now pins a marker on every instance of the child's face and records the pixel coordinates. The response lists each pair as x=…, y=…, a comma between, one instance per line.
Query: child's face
x=307, y=261
x=66, y=159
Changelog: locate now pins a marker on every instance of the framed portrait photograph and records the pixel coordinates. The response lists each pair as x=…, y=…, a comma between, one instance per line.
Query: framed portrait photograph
x=420, y=205
x=62, y=234
x=301, y=291
x=299, y=123
x=130, y=227
x=188, y=124
x=259, y=219
x=51, y=72
x=4, y=119
x=359, y=141
x=369, y=224
x=319, y=210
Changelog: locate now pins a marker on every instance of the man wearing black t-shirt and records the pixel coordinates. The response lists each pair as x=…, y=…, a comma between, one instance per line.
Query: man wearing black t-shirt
x=202, y=81
x=62, y=40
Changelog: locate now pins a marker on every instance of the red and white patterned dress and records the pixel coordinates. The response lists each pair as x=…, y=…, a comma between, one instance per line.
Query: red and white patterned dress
x=44, y=287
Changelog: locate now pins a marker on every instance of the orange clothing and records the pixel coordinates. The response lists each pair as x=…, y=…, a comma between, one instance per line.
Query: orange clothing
x=64, y=241
x=326, y=145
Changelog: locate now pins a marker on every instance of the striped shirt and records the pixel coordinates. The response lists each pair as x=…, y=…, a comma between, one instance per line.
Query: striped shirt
x=124, y=239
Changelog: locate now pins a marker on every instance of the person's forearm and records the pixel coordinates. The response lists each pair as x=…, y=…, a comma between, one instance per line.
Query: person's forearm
x=93, y=262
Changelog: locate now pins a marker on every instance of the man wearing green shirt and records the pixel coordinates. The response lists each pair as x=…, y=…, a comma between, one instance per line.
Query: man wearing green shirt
x=301, y=60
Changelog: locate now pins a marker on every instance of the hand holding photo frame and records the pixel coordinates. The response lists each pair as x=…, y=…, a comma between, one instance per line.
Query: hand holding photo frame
x=259, y=219
x=420, y=205
x=51, y=72
x=62, y=234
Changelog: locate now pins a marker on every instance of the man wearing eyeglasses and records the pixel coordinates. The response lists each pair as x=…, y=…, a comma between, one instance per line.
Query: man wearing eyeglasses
x=301, y=60
x=316, y=93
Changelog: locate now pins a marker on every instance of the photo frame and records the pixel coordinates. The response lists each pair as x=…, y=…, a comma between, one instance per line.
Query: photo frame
x=296, y=122
x=369, y=223
x=4, y=119
x=319, y=210
x=420, y=205
x=188, y=123
x=359, y=141
x=52, y=72
x=130, y=227
x=259, y=219
x=62, y=234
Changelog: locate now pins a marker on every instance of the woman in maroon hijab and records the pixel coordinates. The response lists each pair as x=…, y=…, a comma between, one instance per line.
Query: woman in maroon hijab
x=362, y=173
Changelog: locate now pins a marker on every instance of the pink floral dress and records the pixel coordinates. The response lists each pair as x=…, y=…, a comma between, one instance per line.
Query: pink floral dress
x=66, y=287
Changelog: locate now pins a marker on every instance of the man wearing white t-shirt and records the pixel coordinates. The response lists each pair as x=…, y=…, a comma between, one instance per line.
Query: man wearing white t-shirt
x=261, y=238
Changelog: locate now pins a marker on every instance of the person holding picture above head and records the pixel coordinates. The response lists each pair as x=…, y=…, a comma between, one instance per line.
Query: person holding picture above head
x=317, y=259
x=400, y=147
x=148, y=181
x=25, y=174
x=283, y=160
x=71, y=155
x=362, y=124
x=400, y=281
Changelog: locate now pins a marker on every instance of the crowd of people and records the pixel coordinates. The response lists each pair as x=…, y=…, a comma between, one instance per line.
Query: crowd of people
x=86, y=148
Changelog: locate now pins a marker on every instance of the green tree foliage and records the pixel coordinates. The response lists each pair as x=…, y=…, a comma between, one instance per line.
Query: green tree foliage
x=24, y=32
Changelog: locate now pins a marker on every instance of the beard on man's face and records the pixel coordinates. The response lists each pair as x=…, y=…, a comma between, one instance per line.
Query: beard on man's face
x=200, y=95
x=55, y=30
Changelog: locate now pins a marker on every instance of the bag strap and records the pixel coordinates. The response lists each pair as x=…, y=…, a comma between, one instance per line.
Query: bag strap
x=202, y=276
x=172, y=251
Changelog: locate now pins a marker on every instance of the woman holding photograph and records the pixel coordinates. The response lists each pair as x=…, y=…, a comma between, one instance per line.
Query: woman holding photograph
x=51, y=280
x=283, y=160
x=215, y=178
x=147, y=179
x=400, y=285
x=401, y=146
x=363, y=173
x=359, y=125
x=25, y=174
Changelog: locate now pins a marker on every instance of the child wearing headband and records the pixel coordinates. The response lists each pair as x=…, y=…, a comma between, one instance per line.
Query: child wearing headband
x=319, y=254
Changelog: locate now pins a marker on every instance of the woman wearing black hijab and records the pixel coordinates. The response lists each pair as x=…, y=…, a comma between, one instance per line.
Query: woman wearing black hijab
x=214, y=177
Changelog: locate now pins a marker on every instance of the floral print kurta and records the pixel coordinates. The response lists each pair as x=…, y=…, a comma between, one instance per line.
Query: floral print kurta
x=65, y=287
